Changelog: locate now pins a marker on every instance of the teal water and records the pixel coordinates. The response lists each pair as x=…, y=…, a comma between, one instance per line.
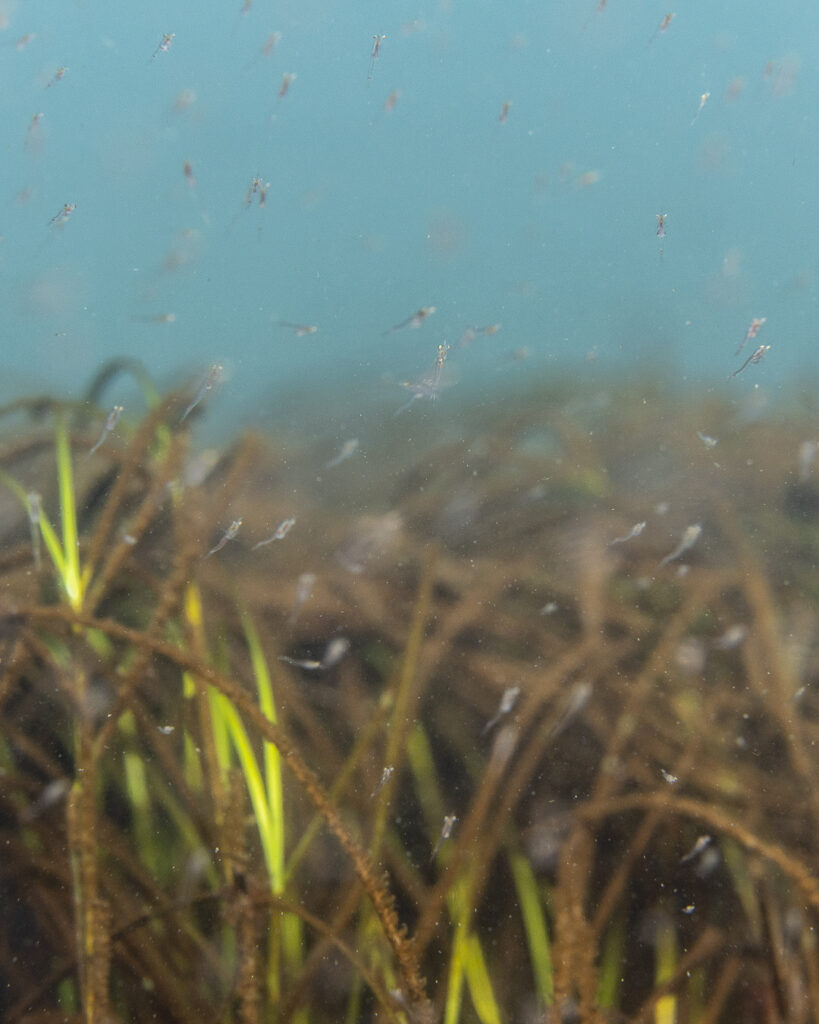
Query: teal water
x=539, y=216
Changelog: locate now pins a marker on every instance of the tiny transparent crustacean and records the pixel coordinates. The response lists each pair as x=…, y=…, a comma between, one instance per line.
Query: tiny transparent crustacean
x=508, y=700
x=413, y=321
x=348, y=449
x=446, y=832
x=110, y=424
x=702, y=843
x=754, y=357
x=635, y=531
x=164, y=44
x=386, y=775
x=266, y=49
x=690, y=536
x=214, y=376
x=377, y=41
x=281, y=531
x=300, y=330
x=428, y=386
x=662, y=27
x=62, y=216
x=335, y=650
x=703, y=100
x=229, y=534
x=58, y=76
x=287, y=80
x=752, y=332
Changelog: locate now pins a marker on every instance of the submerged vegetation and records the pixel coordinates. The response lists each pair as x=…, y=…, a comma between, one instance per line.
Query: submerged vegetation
x=518, y=728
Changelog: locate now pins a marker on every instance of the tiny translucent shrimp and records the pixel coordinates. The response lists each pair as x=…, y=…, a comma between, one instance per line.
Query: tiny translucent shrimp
x=164, y=43
x=377, y=41
x=308, y=664
x=58, y=76
x=214, y=376
x=690, y=536
x=752, y=332
x=301, y=330
x=229, y=534
x=662, y=27
x=508, y=700
x=282, y=531
x=158, y=318
x=333, y=653
x=635, y=531
x=702, y=843
x=266, y=49
x=287, y=80
x=62, y=217
x=348, y=449
x=336, y=649
x=754, y=357
x=446, y=832
x=413, y=321
x=253, y=189
x=429, y=386
x=703, y=100
x=386, y=775
x=110, y=423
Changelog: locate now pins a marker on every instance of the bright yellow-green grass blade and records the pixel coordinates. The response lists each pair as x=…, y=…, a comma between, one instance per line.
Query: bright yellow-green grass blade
x=72, y=579
x=291, y=932
x=534, y=922
x=468, y=964
x=272, y=758
x=226, y=720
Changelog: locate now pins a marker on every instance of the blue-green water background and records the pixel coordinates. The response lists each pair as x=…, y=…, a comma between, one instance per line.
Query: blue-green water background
x=372, y=214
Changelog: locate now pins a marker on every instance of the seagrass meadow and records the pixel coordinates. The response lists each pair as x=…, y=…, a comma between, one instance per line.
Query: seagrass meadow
x=468, y=743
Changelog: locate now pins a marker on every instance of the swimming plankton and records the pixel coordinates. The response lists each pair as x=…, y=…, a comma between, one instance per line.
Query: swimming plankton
x=229, y=534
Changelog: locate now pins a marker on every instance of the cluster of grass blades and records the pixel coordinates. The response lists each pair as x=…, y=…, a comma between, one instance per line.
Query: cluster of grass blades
x=153, y=823
x=196, y=830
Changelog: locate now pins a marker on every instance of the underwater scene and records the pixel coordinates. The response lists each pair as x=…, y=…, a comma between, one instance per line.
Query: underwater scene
x=409, y=512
